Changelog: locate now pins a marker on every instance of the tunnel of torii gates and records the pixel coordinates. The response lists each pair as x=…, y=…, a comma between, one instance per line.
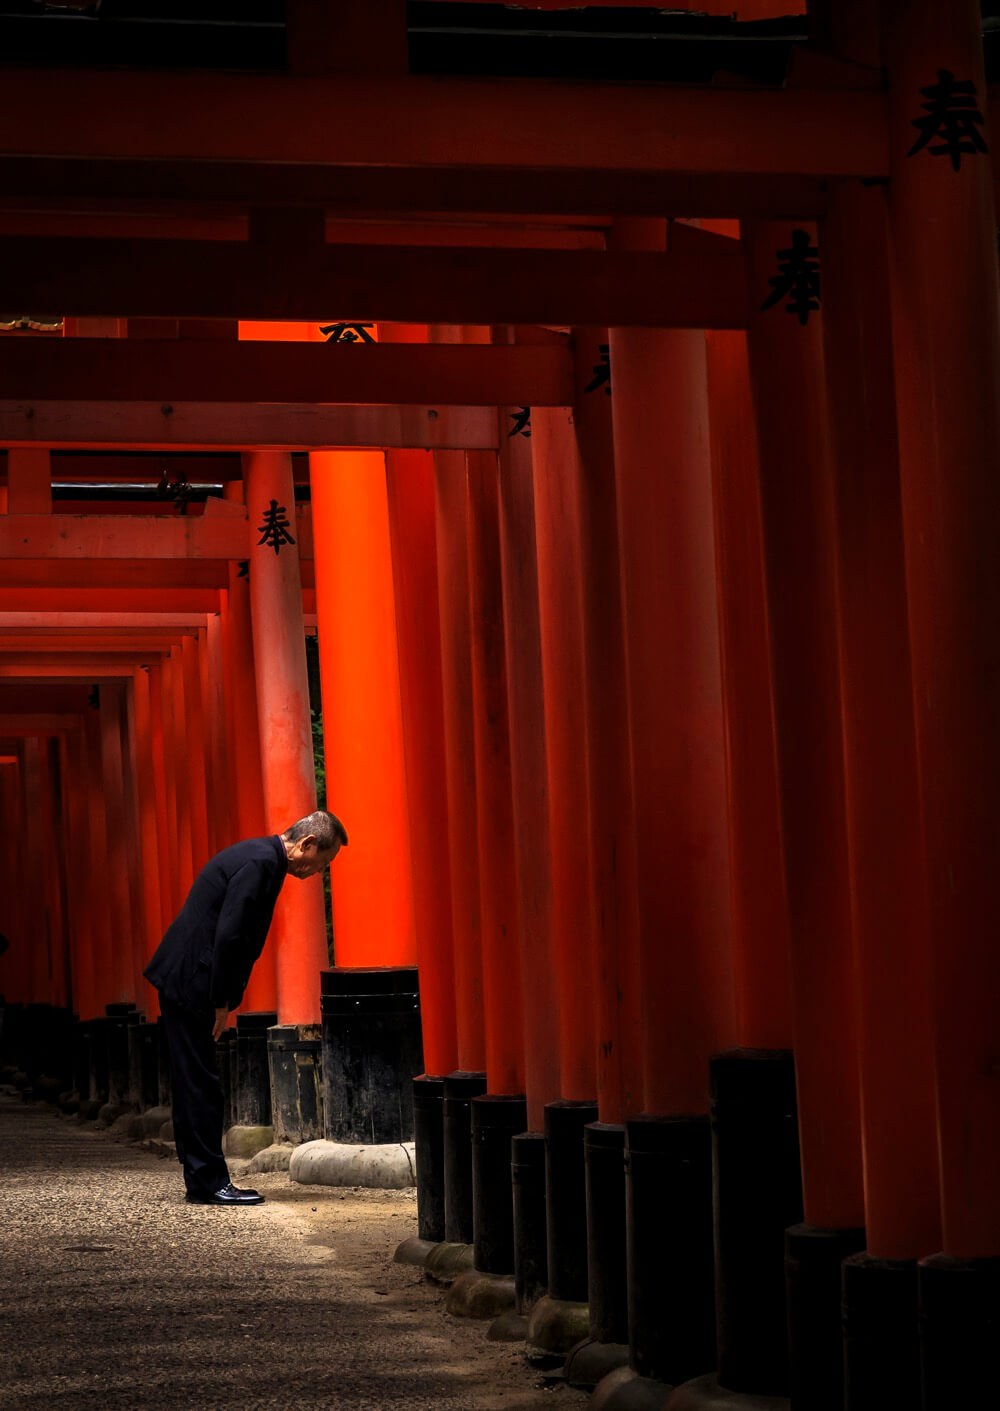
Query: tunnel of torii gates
x=657, y=596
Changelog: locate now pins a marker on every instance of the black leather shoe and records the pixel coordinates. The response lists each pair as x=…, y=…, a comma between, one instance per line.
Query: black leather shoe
x=228, y=1195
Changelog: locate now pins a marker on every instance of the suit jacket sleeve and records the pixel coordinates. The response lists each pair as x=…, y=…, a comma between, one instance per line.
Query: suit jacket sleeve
x=237, y=932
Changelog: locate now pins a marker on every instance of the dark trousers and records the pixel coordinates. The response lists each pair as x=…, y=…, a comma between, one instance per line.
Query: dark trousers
x=197, y=1097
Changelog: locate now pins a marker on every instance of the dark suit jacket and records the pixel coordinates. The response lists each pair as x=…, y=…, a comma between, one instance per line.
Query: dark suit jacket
x=205, y=958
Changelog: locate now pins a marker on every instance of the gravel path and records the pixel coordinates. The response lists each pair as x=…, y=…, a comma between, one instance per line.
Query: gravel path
x=115, y=1294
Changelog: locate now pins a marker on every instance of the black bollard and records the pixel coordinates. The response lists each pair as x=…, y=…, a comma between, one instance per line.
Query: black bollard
x=253, y=1084
x=566, y=1197
x=98, y=1087
x=607, y=1242
x=959, y=1332
x=163, y=1066
x=234, y=1074
x=225, y=1066
x=428, y=1129
x=496, y=1119
x=757, y=1195
x=10, y=1040
x=531, y=1269
x=372, y=1050
x=81, y=1059
x=294, y=1054
x=815, y=1337
x=881, y=1333
x=671, y=1260
x=116, y=1039
x=143, y=1066
x=459, y=1090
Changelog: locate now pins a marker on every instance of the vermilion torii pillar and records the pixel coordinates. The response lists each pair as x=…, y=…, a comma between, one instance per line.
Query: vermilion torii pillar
x=797, y=512
x=285, y=724
x=884, y=825
x=946, y=340
x=659, y=399
x=362, y=722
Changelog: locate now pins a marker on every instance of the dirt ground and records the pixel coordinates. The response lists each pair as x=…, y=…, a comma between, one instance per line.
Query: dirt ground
x=115, y=1294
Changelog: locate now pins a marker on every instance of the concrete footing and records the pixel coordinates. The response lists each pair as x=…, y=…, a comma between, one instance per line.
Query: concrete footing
x=509, y=1327
x=245, y=1142
x=414, y=1251
x=555, y=1325
x=476, y=1295
x=447, y=1260
x=705, y=1394
x=590, y=1361
x=276, y=1157
x=624, y=1390
x=324, y=1163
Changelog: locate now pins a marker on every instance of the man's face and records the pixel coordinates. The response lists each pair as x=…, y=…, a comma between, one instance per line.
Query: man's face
x=306, y=858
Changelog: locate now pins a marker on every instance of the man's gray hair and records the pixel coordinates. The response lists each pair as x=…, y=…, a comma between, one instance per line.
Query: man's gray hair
x=325, y=827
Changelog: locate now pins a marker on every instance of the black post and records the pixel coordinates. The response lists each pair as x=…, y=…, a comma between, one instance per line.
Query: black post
x=566, y=1197
x=163, y=1066
x=607, y=1269
x=459, y=1090
x=253, y=1091
x=815, y=1336
x=757, y=1195
x=496, y=1119
x=881, y=1333
x=671, y=1265
x=98, y=1087
x=531, y=1269
x=224, y=1066
x=117, y=1018
x=143, y=1066
x=294, y=1054
x=372, y=1049
x=959, y=1331
x=428, y=1128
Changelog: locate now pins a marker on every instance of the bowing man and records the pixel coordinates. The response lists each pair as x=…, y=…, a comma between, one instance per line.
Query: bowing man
x=201, y=969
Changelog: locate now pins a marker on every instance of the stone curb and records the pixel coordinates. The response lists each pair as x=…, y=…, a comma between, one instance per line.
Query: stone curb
x=323, y=1163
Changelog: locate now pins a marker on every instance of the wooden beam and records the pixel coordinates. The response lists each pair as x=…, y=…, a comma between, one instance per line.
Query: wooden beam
x=81, y=183
x=41, y=724
x=88, y=369
x=67, y=536
x=36, y=601
x=404, y=284
x=442, y=124
x=235, y=426
x=87, y=574
x=112, y=622
x=75, y=642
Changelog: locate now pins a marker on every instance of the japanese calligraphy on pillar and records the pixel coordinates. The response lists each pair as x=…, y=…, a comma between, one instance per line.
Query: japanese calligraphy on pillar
x=797, y=279
x=952, y=120
x=274, y=530
x=522, y=423
x=242, y=568
x=601, y=371
x=347, y=332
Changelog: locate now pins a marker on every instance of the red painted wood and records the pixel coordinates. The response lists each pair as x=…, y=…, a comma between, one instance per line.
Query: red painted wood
x=946, y=338
x=786, y=370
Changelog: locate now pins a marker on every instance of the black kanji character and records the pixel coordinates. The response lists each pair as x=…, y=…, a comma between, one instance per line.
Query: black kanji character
x=274, y=530
x=601, y=371
x=522, y=423
x=94, y=699
x=243, y=568
x=953, y=115
x=347, y=332
x=798, y=275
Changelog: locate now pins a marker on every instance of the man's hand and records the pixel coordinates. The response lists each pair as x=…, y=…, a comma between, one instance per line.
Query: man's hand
x=221, y=1016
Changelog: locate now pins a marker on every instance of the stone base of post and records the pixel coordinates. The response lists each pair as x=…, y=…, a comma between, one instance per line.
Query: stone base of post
x=294, y=1053
x=815, y=1340
x=428, y=1135
x=671, y=1259
x=959, y=1332
x=460, y=1088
